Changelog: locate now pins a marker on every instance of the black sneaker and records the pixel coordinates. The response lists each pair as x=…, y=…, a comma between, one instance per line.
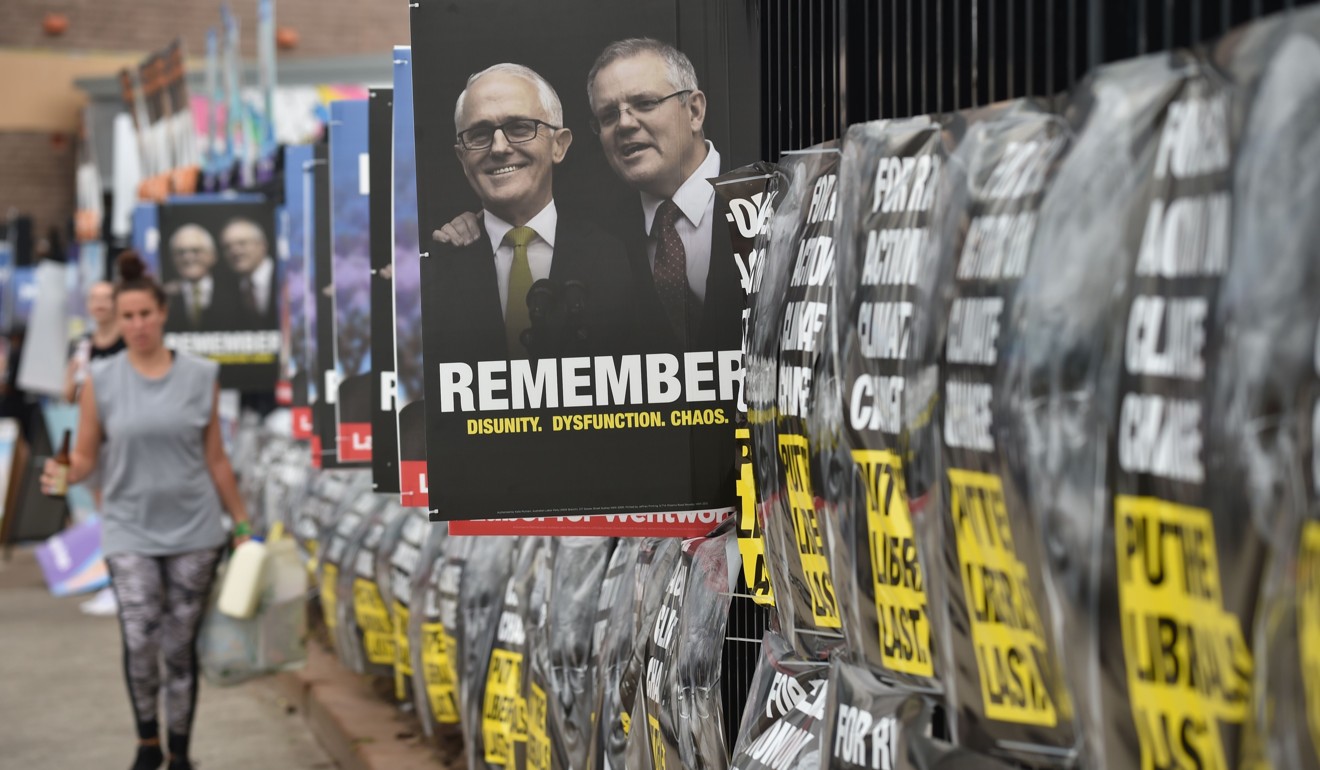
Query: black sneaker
x=148, y=758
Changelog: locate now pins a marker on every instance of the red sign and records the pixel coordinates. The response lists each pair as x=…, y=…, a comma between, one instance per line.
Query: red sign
x=302, y=425
x=412, y=480
x=677, y=524
x=355, y=442
x=284, y=393
x=316, y=451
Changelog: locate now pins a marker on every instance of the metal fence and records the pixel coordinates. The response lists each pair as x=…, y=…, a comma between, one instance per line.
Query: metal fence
x=826, y=64
x=829, y=63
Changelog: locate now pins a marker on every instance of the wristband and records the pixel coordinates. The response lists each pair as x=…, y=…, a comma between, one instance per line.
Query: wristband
x=242, y=529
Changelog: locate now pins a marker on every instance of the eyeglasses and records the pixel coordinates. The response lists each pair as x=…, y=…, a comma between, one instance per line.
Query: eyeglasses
x=517, y=131
x=608, y=119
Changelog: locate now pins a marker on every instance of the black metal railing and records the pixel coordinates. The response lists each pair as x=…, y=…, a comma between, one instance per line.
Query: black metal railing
x=829, y=63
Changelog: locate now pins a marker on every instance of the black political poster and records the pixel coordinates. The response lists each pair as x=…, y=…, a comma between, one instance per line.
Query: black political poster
x=889, y=175
x=322, y=383
x=409, y=406
x=985, y=574
x=581, y=306
x=219, y=270
x=298, y=205
x=384, y=429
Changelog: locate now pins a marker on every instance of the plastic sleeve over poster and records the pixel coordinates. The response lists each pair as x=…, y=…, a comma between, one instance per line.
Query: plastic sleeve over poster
x=582, y=344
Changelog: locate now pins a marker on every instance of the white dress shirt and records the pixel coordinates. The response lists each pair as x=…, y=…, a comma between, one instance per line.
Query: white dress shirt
x=540, y=251
x=696, y=200
x=261, y=279
x=203, y=287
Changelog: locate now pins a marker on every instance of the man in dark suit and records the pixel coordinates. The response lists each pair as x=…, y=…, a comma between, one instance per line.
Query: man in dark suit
x=532, y=283
x=193, y=304
x=650, y=113
x=252, y=290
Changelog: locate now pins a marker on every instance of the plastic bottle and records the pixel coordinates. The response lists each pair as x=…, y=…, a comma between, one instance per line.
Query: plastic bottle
x=244, y=580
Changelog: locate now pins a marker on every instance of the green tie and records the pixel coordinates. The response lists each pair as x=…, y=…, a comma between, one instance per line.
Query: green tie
x=516, y=317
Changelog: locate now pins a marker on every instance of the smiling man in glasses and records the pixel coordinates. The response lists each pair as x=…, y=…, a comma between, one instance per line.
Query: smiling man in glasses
x=532, y=283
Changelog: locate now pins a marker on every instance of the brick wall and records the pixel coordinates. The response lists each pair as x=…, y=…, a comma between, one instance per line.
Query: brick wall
x=325, y=27
x=36, y=177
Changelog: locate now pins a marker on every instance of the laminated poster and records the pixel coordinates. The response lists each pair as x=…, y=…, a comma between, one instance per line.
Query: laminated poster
x=350, y=189
x=605, y=398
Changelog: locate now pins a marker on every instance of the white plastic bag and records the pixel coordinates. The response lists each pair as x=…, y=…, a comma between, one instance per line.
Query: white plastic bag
x=273, y=639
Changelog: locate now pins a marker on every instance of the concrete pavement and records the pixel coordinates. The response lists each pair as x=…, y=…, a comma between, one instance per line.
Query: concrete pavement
x=63, y=704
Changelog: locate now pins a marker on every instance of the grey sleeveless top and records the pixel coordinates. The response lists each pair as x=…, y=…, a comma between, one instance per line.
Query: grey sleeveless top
x=159, y=496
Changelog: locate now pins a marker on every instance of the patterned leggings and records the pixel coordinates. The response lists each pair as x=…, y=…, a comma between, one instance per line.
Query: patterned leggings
x=161, y=603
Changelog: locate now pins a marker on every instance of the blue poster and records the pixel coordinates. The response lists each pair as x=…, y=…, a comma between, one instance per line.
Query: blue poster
x=6, y=284
x=407, y=291
x=146, y=235
x=351, y=267
x=25, y=293
x=298, y=212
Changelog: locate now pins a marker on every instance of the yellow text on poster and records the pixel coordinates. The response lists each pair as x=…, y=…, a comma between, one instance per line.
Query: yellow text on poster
x=1188, y=665
x=1308, y=624
x=795, y=456
x=402, y=650
x=538, y=740
x=900, y=587
x=751, y=538
x=374, y=620
x=659, y=755
x=502, y=709
x=329, y=601
x=1006, y=629
x=439, y=672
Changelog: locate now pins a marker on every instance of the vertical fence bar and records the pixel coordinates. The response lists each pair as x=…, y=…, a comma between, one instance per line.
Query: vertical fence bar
x=925, y=58
x=1168, y=24
x=907, y=18
x=841, y=65
x=992, y=60
x=893, y=62
x=957, y=55
x=939, y=56
x=1050, y=51
x=1031, y=47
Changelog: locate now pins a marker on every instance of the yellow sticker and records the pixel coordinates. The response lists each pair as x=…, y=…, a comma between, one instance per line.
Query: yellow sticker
x=329, y=602
x=658, y=752
x=1308, y=624
x=751, y=538
x=374, y=620
x=538, y=741
x=502, y=706
x=402, y=650
x=1007, y=634
x=1188, y=665
x=795, y=455
x=900, y=587
x=439, y=673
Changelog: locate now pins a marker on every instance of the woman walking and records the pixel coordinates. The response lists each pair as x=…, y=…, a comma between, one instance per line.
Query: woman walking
x=149, y=414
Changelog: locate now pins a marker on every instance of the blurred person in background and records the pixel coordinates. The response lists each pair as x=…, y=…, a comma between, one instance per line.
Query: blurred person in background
x=148, y=416
x=102, y=341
